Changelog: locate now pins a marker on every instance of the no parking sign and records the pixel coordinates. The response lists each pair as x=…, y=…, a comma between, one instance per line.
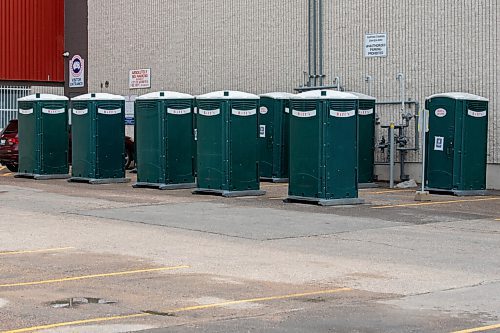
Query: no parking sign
x=76, y=72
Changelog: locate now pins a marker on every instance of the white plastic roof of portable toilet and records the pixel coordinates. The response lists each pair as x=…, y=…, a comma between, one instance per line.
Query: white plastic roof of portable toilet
x=98, y=97
x=166, y=95
x=459, y=95
x=362, y=96
x=277, y=95
x=42, y=97
x=231, y=95
x=328, y=94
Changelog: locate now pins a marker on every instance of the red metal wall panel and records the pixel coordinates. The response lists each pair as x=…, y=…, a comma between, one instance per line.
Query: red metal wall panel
x=32, y=40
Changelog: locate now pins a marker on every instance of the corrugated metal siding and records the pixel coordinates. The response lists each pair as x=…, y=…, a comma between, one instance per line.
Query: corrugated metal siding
x=438, y=45
x=260, y=46
x=32, y=40
x=198, y=46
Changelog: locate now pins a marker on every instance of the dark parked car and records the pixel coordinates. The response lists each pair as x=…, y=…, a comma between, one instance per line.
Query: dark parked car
x=9, y=154
x=8, y=146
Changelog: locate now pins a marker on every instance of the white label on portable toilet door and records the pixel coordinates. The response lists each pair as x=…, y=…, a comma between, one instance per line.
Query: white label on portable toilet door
x=25, y=111
x=263, y=110
x=53, y=111
x=109, y=112
x=244, y=113
x=439, y=143
x=287, y=110
x=178, y=111
x=80, y=112
x=476, y=114
x=440, y=112
x=262, y=131
x=209, y=113
x=365, y=112
x=342, y=114
x=304, y=114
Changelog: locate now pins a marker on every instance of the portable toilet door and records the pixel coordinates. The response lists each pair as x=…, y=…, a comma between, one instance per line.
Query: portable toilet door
x=457, y=143
x=164, y=140
x=274, y=136
x=43, y=137
x=98, y=139
x=227, y=159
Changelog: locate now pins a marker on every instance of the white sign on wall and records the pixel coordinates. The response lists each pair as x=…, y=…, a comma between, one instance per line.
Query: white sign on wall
x=139, y=78
x=76, y=72
x=376, y=45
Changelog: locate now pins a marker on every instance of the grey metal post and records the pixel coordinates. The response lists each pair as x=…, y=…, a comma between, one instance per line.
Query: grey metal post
x=423, y=129
x=391, y=156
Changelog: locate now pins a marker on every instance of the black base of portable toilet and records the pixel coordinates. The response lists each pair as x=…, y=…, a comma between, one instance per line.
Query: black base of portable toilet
x=274, y=180
x=229, y=194
x=99, y=180
x=458, y=193
x=367, y=185
x=325, y=202
x=41, y=177
x=162, y=186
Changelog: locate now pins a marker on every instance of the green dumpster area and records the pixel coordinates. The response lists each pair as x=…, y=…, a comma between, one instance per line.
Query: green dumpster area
x=98, y=139
x=164, y=140
x=43, y=137
x=274, y=136
x=366, y=140
x=227, y=131
x=323, y=148
x=456, y=149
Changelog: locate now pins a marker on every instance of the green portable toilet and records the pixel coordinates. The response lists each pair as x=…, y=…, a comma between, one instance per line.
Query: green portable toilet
x=98, y=139
x=457, y=143
x=164, y=140
x=43, y=137
x=366, y=140
x=227, y=131
x=273, y=136
x=323, y=148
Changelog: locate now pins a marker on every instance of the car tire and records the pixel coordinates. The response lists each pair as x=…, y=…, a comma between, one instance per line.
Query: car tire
x=12, y=167
x=128, y=159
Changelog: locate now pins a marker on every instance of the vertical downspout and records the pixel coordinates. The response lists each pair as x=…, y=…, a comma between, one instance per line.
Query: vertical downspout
x=320, y=27
x=309, y=41
x=314, y=42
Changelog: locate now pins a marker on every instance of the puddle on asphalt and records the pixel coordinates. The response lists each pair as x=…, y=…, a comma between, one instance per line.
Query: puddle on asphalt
x=77, y=301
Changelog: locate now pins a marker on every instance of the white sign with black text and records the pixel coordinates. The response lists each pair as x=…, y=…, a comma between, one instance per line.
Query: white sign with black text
x=376, y=45
x=139, y=78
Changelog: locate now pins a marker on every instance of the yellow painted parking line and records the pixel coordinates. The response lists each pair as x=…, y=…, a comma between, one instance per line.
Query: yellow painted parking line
x=185, y=309
x=56, y=249
x=479, y=329
x=93, y=276
x=435, y=203
x=77, y=322
x=2, y=167
x=497, y=219
x=6, y=174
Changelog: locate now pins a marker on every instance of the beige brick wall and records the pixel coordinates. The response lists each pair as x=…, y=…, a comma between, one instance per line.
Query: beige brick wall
x=261, y=45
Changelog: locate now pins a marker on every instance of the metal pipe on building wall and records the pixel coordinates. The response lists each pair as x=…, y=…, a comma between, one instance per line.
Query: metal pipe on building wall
x=320, y=37
x=309, y=41
x=314, y=42
x=391, y=155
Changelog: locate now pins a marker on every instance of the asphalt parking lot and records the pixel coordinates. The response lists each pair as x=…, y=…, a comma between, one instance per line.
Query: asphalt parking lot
x=109, y=258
